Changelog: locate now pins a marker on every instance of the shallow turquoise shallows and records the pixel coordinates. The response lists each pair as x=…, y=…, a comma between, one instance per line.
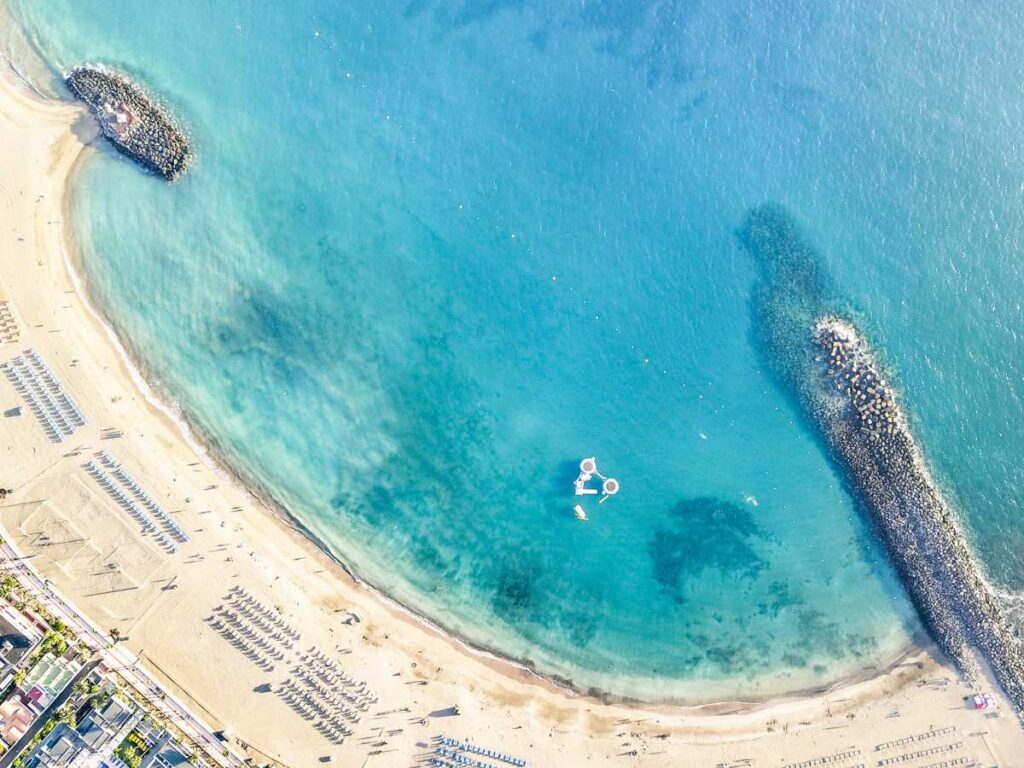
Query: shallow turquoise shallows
x=434, y=253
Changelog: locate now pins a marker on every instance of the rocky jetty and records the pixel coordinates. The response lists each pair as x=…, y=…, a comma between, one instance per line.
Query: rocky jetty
x=824, y=360
x=133, y=121
x=859, y=414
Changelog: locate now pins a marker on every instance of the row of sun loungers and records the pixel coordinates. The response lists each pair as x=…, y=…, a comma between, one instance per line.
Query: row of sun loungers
x=458, y=759
x=321, y=692
x=958, y=762
x=167, y=522
x=240, y=642
x=8, y=325
x=922, y=753
x=345, y=690
x=139, y=515
x=37, y=368
x=342, y=707
x=325, y=718
x=265, y=644
x=53, y=408
x=329, y=671
x=947, y=731
x=827, y=760
x=259, y=629
x=329, y=693
x=453, y=747
x=318, y=689
x=260, y=615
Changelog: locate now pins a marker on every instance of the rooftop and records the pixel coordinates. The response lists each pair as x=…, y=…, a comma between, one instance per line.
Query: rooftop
x=14, y=643
x=59, y=748
x=50, y=674
x=15, y=719
x=100, y=725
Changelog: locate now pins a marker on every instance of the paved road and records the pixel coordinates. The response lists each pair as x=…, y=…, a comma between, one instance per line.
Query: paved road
x=119, y=658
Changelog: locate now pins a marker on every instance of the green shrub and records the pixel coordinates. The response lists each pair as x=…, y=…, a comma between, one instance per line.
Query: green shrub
x=128, y=754
x=54, y=643
x=8, y=585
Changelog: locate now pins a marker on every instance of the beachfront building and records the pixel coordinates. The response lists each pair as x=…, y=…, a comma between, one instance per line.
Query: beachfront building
x=15, y=718
x=46, y=679
x=91, y=743
x=62, y=748
x=108, y=724
x=17, y=639
x=166, y=752
x=156, y=746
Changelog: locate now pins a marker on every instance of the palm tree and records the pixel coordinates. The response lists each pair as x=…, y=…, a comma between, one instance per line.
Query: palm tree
x=7, y=586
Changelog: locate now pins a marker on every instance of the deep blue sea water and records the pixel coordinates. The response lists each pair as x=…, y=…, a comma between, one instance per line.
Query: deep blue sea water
x=431, y=254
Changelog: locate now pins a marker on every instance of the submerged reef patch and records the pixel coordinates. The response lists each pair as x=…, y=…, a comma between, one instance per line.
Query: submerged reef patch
x=701, y=533
x=822, y=358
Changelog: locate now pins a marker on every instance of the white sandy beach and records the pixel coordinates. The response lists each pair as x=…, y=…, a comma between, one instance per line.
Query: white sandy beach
x=97, y=556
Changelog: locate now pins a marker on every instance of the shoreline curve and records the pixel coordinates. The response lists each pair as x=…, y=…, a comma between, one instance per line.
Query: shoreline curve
x=206, y=447
x=713, y=727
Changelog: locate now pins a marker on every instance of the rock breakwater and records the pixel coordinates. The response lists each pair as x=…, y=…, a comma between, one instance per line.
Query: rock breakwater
x=133, y=121
x=858, y=412
x=824, y=359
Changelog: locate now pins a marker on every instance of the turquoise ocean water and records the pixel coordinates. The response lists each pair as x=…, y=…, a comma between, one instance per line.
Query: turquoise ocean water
x=431, y=254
